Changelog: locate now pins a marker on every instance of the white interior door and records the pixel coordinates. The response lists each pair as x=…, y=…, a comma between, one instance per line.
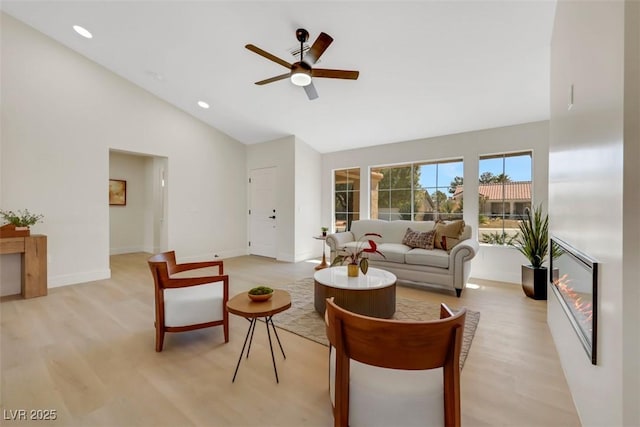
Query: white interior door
x=262, y=214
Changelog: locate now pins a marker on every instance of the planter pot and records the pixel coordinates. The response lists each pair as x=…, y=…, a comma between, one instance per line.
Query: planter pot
x=534, y=282
x=10, y=230
x=352, y=270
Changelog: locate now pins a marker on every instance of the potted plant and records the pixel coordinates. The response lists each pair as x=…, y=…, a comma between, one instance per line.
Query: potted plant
x=354, y=258
x=324, y=231
x=533, y=242
x=18, y=223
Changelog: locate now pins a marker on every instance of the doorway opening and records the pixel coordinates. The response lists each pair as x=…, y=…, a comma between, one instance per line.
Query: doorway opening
x=139, y=225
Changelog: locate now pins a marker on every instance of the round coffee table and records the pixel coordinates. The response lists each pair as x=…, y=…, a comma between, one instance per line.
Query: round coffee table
x=372, y=294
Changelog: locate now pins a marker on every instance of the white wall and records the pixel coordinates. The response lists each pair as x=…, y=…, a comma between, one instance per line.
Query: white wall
x=10, y=273
x=631, y=213
x=62, y=113
x=157, y=196
x=591, y=184
x=307, y=201
x=495, y=263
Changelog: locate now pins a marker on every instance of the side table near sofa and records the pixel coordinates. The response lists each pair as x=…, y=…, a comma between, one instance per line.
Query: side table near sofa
x=323, y=264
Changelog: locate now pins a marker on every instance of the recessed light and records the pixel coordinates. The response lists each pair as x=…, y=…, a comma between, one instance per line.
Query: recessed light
x=203, y=104
x=154, y=75
x=83, y=31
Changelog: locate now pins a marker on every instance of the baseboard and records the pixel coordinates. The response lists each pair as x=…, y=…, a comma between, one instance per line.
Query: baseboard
x=286, y=257
x=127, y=250
x=306, y=256
x=212, y=255
x=498, y=276
x=74, y=279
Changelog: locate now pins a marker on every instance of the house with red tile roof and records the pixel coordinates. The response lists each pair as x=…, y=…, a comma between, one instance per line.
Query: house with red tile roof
x=510, y=198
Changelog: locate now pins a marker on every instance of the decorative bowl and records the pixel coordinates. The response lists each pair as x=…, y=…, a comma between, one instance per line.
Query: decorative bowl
x=261, y=293
x=258, y=298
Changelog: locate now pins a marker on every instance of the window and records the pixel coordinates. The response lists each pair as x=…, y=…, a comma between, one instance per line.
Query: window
x=346, y=198
x=504, y=195
x=417, y=191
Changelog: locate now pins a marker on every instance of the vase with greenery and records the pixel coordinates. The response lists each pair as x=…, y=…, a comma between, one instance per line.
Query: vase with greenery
x=324, y=231
x=354, y=256
x=22, y=218
x=533, y=242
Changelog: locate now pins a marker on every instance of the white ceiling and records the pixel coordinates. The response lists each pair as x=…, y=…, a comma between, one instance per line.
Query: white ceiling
x=427, y=68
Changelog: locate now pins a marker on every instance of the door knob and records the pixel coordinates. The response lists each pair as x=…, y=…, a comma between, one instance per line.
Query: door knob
x=273, y=217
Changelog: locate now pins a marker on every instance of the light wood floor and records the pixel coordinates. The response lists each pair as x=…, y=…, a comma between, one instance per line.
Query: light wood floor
x=87, y=352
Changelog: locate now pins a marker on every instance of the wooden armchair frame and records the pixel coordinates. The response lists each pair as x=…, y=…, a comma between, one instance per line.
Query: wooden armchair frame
x=164, y=265
x=377, y=342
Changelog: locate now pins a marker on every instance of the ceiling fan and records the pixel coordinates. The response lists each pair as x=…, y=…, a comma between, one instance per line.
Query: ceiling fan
x=302, y=72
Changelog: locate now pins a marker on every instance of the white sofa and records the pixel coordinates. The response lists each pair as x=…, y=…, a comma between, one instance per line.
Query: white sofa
x=413, y=266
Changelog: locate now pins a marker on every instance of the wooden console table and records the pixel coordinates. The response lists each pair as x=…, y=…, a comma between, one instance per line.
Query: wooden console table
x=33, y=250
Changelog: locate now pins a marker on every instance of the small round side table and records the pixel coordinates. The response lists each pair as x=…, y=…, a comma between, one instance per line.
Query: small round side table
x=323, y=264
x=241, y=305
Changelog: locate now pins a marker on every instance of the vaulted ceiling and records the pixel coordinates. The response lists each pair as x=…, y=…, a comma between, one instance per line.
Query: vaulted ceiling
x=427, y=68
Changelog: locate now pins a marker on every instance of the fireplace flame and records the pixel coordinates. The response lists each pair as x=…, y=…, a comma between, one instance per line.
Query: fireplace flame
x=575, y=301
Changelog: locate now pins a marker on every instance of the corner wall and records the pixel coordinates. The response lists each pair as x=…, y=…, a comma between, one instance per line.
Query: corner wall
x=594, y=196
x=631, y=222
x=61, y=114
x=307, y=202
x=298, y=201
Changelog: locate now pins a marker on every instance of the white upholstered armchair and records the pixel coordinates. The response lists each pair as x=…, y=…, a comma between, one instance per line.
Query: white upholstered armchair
x=185, y=304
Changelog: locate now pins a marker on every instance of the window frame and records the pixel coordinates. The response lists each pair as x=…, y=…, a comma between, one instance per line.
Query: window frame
x=436, y=213
x=503, y=235
x=354, y=215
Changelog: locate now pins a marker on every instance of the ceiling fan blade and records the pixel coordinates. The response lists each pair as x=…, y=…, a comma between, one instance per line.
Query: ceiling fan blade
x=267, y=55
x=335, y=74
x=311, y=91
x=273, y=79
x=317, y=49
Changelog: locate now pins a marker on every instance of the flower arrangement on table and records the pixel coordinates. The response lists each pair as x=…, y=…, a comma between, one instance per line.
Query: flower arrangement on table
x=16, y=224
x=22, y=218
x=354, y=256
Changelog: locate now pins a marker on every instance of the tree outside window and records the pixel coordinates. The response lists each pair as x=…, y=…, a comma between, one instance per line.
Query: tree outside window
x=346, y=198
x=416, y=191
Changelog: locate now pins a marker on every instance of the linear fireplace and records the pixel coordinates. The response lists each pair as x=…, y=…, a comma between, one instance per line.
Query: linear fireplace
x=574, y=281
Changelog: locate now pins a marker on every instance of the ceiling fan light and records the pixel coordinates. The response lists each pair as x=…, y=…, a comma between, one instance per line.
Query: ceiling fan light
x=301, y=78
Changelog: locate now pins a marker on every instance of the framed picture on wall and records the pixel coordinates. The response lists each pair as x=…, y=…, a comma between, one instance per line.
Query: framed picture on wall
x=117, y=192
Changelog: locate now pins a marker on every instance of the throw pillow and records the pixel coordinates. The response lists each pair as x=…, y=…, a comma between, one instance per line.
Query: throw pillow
x=430, y=239
x=419, y=239
x=452, y=230
x=448, y=243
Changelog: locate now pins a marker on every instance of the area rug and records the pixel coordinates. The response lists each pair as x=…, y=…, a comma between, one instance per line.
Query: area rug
x=302, y=318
